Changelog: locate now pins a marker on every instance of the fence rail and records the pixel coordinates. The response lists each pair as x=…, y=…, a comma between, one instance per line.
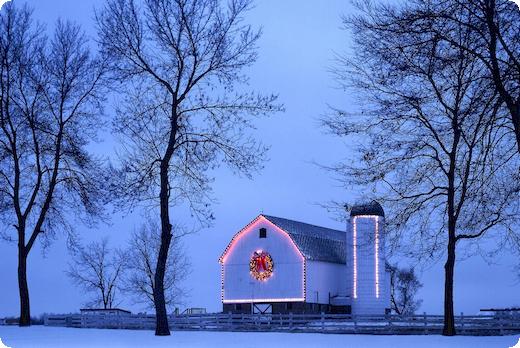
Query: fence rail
x=319, y=323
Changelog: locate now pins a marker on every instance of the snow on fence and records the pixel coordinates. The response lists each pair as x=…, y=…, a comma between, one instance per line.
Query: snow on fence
x=319, y=323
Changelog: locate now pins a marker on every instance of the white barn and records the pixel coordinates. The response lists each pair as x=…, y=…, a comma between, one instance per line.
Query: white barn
x=279, y=265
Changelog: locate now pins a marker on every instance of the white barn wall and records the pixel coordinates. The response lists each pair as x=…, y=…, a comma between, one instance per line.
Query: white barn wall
x=286, y=282
x=324, y=278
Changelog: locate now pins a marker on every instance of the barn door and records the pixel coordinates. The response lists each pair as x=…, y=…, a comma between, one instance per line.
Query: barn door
x=262, y=308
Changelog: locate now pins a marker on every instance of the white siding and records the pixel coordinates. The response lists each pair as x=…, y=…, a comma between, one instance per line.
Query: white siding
x=361, y=242
x=287, y=279
x=324, y=278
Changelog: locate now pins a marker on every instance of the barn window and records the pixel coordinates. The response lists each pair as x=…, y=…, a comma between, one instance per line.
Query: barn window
x=263, y=233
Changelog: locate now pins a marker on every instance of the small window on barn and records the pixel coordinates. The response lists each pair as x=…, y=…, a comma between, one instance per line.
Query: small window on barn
x=263, y=233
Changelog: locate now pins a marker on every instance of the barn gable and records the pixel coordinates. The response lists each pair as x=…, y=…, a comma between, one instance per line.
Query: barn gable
x=247, y=229
x=281, y=273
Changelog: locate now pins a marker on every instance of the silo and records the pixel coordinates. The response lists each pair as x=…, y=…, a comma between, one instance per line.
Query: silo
x=366, y=259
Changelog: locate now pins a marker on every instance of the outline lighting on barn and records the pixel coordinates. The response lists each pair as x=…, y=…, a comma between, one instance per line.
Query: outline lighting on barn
x=354, y=247
x=377, y=256
x=296, y=299
x=230, y=246
x=354, y=253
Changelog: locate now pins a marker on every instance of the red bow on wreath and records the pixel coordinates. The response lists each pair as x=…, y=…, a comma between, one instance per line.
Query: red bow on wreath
x=261, y=263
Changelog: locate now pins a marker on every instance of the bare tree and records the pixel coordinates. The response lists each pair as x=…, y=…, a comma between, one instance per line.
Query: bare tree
x=501, y=55
x=142, y=255
x=50, y=95
x=494, y=28
x=181, y=62
x=404, y=285
x=98, y=269
x=434, y=142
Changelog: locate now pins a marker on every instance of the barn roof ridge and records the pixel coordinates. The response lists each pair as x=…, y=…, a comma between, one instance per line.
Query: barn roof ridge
x=269, y=217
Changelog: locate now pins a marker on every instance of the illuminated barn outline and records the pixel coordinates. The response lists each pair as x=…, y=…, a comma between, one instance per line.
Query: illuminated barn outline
x=332, y=271
x=250, y=228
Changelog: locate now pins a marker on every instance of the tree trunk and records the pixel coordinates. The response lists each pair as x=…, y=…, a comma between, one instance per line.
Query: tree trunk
x=162, y=328
x=515, y=113
x=25, y=308
x=449, y=268
x=161, y=315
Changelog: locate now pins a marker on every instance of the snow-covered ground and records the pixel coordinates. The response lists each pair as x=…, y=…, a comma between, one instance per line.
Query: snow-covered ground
x=46, y=337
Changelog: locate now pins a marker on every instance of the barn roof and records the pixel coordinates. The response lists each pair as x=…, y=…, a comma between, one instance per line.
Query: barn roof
x=315, y=242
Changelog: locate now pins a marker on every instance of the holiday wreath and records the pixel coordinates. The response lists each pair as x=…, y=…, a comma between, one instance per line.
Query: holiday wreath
x=261, y=265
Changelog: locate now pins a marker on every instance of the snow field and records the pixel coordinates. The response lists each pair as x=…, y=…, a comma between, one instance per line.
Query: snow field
x=51, y=337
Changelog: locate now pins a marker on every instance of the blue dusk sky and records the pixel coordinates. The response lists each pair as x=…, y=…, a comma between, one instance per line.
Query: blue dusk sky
x=296, y=51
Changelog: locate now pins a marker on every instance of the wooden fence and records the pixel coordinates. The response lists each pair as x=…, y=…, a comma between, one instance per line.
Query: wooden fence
x=319, y=323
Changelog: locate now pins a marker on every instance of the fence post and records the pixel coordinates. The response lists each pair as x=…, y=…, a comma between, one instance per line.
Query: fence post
x=355, y=323
x=322, y=321
x=229, y=320
x=425, y=323
x=462, y=322
x=290, y=321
